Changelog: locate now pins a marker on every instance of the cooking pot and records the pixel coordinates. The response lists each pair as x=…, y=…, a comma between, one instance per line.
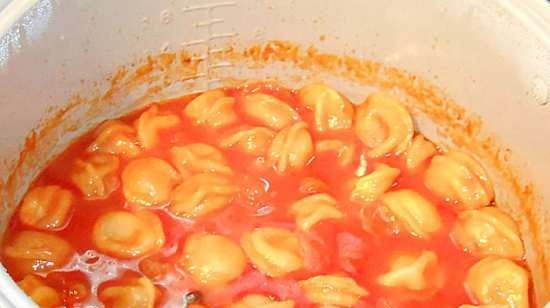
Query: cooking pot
x=476, y=74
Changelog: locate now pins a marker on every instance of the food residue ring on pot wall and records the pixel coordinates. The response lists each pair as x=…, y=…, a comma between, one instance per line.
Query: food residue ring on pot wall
x=172, y=74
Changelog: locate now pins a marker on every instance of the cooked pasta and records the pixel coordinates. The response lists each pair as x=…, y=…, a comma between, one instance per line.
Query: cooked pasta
x=212, y=108
x=96, y=176
x=384, y=125
x=292, y=148
x=46, y=207
x=331, y=110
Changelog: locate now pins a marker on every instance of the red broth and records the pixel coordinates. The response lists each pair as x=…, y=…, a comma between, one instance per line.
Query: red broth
x=332, y=246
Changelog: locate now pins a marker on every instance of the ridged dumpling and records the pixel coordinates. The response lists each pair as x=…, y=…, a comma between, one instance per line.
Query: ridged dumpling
x=332, y=111
x=128, y=235
x=291, y=149
x=212, y=260
x=150, y=123
x=460, y=179
x=46, y=207
x=269, y=111
x=198, y=158
x=409, y=211
x=370, y=187
x=135, y=293
x=313, y=209
x=383, y=125
x=261, y=301
x=488, y=231
x=498, y=281
x=253, y=141
x=96, y=175
x=149, y=181
x=275, y=252
x=345, y=151
x=332, y=290
x=212, y=108
x=413, y=272
x=201, y=194
x=40, y=293
x=117, y=138
x=419, y=151
x=35, y=251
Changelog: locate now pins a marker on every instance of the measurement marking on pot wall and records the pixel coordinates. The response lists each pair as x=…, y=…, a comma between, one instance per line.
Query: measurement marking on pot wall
x=209, y=64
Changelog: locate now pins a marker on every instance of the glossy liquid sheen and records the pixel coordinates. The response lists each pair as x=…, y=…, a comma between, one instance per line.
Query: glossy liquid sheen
x=335, y=246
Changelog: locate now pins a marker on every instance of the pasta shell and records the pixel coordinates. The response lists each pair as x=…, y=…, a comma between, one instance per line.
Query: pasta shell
x=371, y=186
x=201, y=194
x=128, y=235
x=34, y=251
x=117, y=138
x=498, y=281
x=198, y=158
x=488, y=231
x=419, y=151
x=43, y=295
x=148, y=181
x=212, y=260
x=292, y=148
x=269, y=111
x=383, y=125
x=96, y=176
x=273, y=251
x=411, y=212
x=136, y=293
x=46, y=207
x=150, y=123
x=313, y=209
x=332, y=290
x=412, y=272
x=331, y=110
x=212, y=108
x=459, y=178
x=254, y=141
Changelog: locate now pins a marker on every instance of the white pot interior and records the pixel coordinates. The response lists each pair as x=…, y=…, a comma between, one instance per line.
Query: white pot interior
x=493, y=58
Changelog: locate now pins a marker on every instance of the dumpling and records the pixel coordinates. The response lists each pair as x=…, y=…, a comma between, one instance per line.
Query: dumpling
x=150, y=123
x=408, y=211
x=213, y=260
x=331, y=110
x=269, y=111
x=117, y=138
x=212, y=108
x=498, y=281
x=273, y=251
x=292, y=148
x=313, y=209
x=459, y=178
x=345, y=151
x=148, y=181
x=201, y=194
x=96, y=176
x=46, y=207
x=371, y=186
x=197, y=158
x=261, y=301
x=127, y=235
x=135, y=293
x=34, y=251
x=413, y=272
x=483, y=306
x=254, y=141
x=488, y=231
x=383, y=125
x=332, y=290
x=43, y=295
x=419, y=151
